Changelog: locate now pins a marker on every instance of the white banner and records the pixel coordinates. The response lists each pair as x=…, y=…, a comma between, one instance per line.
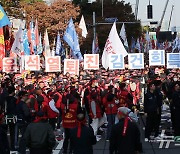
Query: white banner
x=136, y=60
x=53, y=64
x=173, y=60
x=156, y=58
x=32, y=63
x=9, y=65
x=116, y=61
x=71, y=66
x=91, y=61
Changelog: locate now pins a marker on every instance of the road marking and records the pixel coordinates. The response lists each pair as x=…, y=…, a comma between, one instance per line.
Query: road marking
x=177, y=144
x=161, y=144
x=59, y=146
x=167, y=144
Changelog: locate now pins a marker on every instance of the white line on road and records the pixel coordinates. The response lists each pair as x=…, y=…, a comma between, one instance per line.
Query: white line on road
x=59, y=147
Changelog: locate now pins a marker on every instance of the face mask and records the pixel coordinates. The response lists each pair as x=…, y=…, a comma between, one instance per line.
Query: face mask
x=175, y=79
x=96, y=84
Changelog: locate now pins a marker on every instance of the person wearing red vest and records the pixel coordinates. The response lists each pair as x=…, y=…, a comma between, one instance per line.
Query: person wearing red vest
x=42, y=100
x=125, y=98
x=69, y=109
x=33, y=105
x=111, y=105
x=58, y=101
x=95, y=110
x=52, y=111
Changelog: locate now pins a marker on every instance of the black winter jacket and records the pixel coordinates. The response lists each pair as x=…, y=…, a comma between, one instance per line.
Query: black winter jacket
x=83, y=145
x=128, y=144
x=39, y=135
x=150, y=102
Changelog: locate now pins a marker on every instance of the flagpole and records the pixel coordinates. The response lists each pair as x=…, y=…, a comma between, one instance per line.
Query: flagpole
x=94, y=27
x=66, y=53
x=102, y=8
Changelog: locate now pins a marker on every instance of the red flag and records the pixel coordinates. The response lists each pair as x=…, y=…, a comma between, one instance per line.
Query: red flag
x=2, y=47
x=30, y=39
x=37, y=33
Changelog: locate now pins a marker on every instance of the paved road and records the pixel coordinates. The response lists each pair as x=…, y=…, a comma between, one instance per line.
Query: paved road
x=164, y=146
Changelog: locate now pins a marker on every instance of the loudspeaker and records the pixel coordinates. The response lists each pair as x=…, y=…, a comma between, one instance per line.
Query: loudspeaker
x=149, y=12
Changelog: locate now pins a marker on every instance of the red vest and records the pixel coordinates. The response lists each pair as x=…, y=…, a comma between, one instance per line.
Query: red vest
x=46, y=100
x=36, y=108
x=110, y=107
x=59, y=101
x=98, y=110
x=45, y=103
x=69, y=119
x=123, y=98
x=51, y=113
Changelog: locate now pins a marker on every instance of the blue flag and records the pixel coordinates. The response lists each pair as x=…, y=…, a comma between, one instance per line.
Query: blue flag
x=59, y=48
x=58, y=45
x=4, y=20
x=71, y=38
x=40, y=46
x=133, y=45
x=26, y=43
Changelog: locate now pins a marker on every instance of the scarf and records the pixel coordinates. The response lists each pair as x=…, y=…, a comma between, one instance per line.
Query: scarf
x=126, y=119
x=79, y=125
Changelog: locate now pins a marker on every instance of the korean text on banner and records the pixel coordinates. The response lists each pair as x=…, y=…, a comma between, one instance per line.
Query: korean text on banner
x=32, y=63
x=173, y=60
x=9, y=65
x=91, y=61
x=71, y=66
x=156, y=57
x=116, y=61
x=53, y=64
x=136, y=60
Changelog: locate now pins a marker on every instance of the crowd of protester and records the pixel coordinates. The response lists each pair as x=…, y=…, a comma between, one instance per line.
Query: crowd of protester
x=82, y=105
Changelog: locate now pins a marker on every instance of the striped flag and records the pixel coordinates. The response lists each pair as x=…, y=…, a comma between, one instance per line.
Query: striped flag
x=36, y=34
x=95, y=46
x=47, y=51
x=2, y=47
x=32, y=38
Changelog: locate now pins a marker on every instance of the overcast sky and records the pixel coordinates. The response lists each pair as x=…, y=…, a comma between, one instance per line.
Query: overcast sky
x=158, y=7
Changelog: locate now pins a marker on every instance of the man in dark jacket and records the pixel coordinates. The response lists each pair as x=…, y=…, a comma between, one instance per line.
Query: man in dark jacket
x=151, y=111
x=39, y=136
x=23, y=118
x=125, y=135
x=159, y=96
x=176, y=107
x=4, y=146
x=10, y=114
x=82, y=137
